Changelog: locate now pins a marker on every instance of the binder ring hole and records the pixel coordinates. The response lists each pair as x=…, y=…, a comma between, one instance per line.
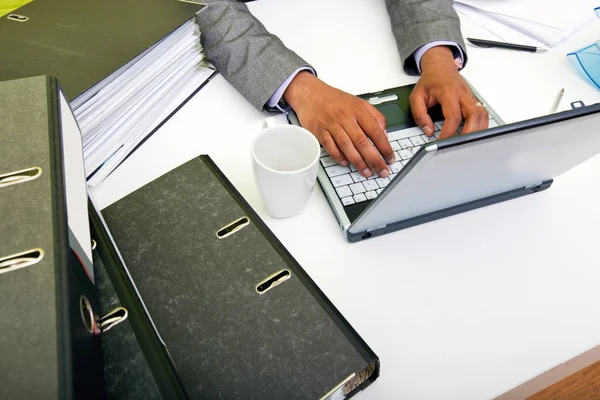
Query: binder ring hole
x=20, y=260
x=17, y=17
x=87, y=314
x=24, y=175
x=233, y=227
x=274, y=280
x=113, y=318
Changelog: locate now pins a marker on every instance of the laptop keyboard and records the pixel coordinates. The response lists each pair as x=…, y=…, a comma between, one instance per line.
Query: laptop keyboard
x=352, y=188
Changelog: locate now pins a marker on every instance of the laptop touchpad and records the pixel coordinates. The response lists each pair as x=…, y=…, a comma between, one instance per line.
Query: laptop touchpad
x=393, y=114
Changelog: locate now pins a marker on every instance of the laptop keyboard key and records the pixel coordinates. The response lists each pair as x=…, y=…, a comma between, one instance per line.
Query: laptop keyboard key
x=357, y=188
x=382, y=182
x=343, y=191
x=336, y=170
x=359, y=198
x=347, y=201
x=404, y=133
x=370, y=185
x=417, y=141
x=415, y=149
x=371, y=195
x=324, y=152
x=396, y=167
x=352, y=168
x=341, y=180
x=378, y=191
x=395, y=145
x=428, y=139
x=356, y=177
x=405, y=154
x=328, y=161
x=405, y=143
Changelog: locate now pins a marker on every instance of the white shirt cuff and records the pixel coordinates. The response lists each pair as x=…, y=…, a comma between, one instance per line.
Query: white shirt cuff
x=459, y=57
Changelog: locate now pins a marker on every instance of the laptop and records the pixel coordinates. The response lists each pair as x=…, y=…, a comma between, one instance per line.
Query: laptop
x=432, y=179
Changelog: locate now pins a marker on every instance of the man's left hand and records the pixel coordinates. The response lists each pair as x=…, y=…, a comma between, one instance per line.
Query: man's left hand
x=441, y=83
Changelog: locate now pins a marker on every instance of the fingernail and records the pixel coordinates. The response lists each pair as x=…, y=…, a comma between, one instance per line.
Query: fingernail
x=391, y=160
x=427, y=130
x=367, y=173
x=344, y=163
x=384, y=173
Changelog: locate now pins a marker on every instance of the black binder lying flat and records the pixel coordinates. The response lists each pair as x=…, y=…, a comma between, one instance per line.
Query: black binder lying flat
x=237, y=314
x=49, y=346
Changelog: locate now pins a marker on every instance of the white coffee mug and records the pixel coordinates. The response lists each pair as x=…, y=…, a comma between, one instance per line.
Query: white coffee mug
x=284, y=160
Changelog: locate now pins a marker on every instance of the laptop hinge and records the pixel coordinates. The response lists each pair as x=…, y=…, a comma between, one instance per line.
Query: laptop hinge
x=376, y=228
x=534, y=185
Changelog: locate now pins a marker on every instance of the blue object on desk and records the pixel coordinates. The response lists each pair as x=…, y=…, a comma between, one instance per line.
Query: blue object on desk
x=587, y=61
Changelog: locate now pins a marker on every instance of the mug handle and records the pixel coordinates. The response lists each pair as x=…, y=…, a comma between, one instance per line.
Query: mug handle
x=269, y=122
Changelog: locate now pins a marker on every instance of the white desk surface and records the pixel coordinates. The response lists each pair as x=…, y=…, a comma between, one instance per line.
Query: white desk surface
x=465, y=307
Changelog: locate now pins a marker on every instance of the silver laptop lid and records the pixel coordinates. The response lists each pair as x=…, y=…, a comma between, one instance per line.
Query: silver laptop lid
x=471, y=167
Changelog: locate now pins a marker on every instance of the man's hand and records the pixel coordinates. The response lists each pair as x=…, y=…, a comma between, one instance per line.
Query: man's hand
x=441, y=83
x=342, y=123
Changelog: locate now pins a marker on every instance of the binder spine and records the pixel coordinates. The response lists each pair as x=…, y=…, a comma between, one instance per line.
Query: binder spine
x=154, y=349
x=65, y=373
x=80, y=366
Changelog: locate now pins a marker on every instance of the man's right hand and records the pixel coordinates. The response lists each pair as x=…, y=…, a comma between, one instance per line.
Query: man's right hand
x=342, y=123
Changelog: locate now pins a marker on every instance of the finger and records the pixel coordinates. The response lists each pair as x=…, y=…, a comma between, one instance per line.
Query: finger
x=366, y=149
x=346, y=146
x=418, y=107
x=452, y=115
x=476, y=116
x=373, y=130
x=332, y=148
x=379, y=117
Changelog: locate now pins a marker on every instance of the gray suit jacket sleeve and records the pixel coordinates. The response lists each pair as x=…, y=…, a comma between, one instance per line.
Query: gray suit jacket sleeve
x=418, y=22
x=254, y=61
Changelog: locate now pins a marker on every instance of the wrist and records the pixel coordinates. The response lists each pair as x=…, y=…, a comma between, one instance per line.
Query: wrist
x=300, y=89
x=439, y=57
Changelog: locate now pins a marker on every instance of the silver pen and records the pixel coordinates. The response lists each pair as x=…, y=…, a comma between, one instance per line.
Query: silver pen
x=557, y=101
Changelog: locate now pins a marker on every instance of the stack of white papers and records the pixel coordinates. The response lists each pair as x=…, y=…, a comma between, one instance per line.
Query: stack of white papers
x=118, y=113
x=540, y=23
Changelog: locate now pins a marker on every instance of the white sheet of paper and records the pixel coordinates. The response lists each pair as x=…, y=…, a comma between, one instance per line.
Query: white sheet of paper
x=187, y=85
x=547, y=23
